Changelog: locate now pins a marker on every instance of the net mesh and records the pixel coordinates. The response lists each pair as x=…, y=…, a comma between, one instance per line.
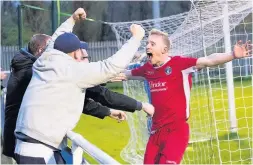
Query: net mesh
x=198, y=33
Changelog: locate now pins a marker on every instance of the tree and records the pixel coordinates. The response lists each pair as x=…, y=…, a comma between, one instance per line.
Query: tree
x=87, y=30
x=9, y=32
x=38, y=21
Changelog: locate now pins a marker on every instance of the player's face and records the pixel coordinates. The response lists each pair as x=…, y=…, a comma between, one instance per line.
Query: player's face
x=154, y=49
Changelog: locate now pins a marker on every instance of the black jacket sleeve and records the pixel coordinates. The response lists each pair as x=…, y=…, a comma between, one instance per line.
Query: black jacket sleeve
x=2, y=87
x=95, y=109
x=113, y=99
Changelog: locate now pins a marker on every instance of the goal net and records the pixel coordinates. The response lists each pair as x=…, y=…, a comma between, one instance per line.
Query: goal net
x=221, y=97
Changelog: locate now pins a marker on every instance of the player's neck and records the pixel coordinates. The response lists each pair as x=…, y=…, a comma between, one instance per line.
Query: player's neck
x=163, y=61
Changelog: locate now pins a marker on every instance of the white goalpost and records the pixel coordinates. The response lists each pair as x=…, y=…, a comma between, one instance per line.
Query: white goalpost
x=221, y=97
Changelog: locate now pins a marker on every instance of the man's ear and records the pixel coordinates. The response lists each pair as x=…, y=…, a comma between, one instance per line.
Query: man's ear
x=74, y=55
x=165, y=50
x=40, y=50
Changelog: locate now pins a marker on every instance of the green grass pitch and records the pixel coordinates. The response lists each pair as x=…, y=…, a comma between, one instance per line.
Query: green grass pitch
x=207, y=121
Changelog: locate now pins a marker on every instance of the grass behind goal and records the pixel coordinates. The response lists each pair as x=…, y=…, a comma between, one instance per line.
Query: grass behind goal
x=232, y=148
x=112, y=137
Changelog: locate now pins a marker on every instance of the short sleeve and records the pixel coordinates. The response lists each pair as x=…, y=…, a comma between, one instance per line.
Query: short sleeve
x=138, y=71
x=186, y=62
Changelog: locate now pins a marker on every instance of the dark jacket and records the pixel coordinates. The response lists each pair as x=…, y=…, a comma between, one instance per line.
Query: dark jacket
x=21, y=66
x=107, y=98
x=2, y=87
x=20, y=77
x=93, y=108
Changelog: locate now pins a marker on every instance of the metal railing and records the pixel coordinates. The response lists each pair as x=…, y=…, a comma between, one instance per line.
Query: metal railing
x=78, y=147
x=80, y=144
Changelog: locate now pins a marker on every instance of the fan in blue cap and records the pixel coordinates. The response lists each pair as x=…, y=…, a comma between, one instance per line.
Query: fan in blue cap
x=70, y=44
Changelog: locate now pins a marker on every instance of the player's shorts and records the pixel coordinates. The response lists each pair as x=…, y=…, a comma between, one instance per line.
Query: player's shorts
x=167, y=144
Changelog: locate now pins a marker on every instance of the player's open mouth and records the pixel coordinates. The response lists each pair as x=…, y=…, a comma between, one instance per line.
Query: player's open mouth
x=150, y=55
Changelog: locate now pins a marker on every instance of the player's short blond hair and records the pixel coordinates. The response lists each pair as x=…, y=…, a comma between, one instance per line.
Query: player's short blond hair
x=164, y=36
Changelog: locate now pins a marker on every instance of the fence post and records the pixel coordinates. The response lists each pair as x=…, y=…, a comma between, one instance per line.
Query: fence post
x=20, y=26
x=54, y=15
x=77, y=153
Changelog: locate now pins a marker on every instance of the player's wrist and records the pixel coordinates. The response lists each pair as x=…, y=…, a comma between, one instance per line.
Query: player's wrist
x=72, y=20
x=233, y=55
x=137, y=38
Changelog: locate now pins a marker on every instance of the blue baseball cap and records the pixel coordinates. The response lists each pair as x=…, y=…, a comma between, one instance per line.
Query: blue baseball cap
x=83, y=45
x=69, y=42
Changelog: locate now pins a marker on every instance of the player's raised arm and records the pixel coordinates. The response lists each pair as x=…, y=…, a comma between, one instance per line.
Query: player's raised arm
x=240, y=51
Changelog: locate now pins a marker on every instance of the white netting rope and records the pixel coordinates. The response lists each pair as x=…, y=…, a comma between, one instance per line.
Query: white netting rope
x=184, y=29
x=197, y=33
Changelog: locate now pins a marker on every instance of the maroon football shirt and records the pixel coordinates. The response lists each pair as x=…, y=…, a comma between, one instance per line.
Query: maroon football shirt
x=170, y=89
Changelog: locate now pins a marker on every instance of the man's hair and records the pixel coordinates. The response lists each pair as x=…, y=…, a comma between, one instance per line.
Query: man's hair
x=38, y=41
x=164, y=36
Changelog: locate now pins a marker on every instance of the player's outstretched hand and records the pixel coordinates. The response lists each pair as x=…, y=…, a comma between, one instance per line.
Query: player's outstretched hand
x=148, y=108
x=137, y=31
x=79, y=14
x=118, y=115
x=242, y=50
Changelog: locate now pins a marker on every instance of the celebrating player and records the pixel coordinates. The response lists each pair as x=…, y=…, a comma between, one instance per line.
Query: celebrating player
x=168, y=78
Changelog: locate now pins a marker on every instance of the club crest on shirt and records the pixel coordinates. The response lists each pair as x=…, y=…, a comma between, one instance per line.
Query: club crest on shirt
x=168, y=70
